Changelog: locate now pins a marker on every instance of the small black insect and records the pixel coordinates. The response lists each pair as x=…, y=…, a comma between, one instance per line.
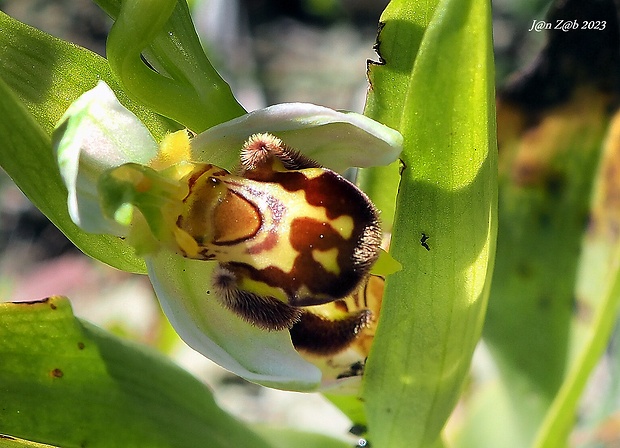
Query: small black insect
x=423, y=241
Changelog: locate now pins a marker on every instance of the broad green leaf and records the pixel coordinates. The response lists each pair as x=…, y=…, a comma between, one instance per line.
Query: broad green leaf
x=26, y=156
x=68, y=383
x=398, y=43
x=433, y=309
x=12, y=442
x=289, y=438
x=402, y=27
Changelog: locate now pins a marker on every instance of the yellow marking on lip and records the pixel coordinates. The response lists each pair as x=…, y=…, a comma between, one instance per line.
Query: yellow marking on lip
x=313, y=173
x=246, y=221
x=328, y=259
x=343, y=225
x=260, y=288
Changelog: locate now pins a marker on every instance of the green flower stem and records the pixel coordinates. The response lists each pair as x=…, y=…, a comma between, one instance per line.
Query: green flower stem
x=187, y=91
x=561, y=414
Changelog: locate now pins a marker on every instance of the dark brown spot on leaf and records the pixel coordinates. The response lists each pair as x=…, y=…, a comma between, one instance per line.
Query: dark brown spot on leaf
x=56, y=373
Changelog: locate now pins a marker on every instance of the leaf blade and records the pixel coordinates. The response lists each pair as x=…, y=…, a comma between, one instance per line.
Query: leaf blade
x=27, y=152
x=48, y=74
x=433, y=310
x=57, y=369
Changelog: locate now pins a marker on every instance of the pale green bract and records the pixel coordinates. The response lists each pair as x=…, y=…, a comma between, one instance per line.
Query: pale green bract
x=97, y=134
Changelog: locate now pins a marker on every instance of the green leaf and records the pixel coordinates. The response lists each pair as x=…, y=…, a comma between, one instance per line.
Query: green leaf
x=65, y=382
x=403, y=24
x=598, y=294
x=433, y=309
x=27, y=157
x=48, y=74
x=389, y=78
x=12, y=442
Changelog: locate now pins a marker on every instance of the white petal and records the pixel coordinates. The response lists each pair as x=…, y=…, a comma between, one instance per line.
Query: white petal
x=337, y=140
x=95, y=134
x=266, y=358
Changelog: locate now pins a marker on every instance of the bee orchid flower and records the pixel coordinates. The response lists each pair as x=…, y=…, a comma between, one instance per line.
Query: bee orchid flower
x=262, y=254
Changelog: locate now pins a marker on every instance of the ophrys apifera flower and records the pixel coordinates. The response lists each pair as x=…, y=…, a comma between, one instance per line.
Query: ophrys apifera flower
x=259, y=249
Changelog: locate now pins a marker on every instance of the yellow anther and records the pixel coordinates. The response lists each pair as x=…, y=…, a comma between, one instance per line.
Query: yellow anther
x=174, y=149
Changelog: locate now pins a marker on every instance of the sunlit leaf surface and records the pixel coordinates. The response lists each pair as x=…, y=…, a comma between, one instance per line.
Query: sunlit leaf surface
x=68, y=383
